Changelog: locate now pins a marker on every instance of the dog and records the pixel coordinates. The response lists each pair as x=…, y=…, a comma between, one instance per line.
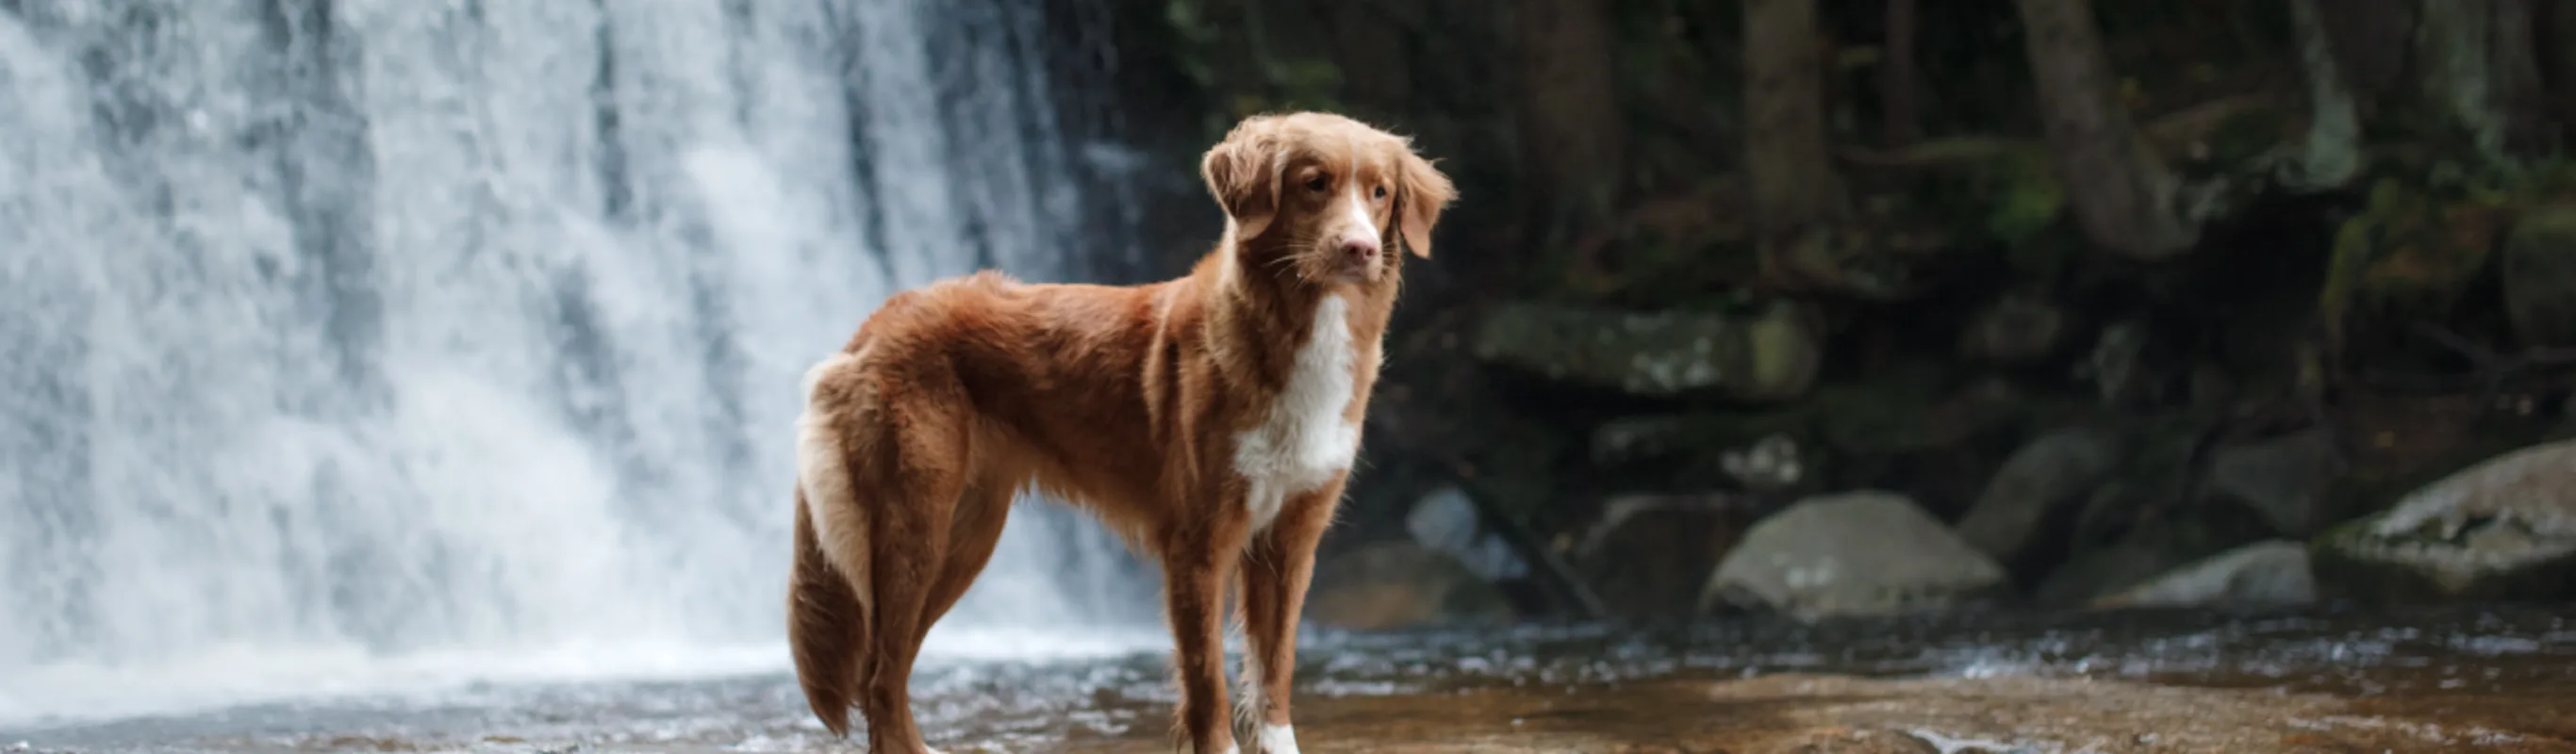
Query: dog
x=1211, y=421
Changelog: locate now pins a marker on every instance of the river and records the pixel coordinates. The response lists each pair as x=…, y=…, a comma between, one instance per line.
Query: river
x=2316, y=680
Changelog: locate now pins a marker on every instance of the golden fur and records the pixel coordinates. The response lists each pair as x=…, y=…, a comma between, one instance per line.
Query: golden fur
x=1210, y=420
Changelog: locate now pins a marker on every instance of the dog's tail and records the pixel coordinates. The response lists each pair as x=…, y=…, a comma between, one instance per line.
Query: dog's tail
x=829, y=626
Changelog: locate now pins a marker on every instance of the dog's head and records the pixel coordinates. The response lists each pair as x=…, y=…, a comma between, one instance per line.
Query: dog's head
x=1324, y=197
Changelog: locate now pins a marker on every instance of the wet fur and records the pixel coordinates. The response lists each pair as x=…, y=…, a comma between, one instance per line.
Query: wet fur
x=1206, y=419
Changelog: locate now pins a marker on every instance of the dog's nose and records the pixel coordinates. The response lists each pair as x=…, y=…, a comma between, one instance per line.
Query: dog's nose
x=1359, y=249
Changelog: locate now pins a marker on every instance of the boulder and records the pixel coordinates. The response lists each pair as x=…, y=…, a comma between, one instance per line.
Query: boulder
x=2264, y=573
x=1767, y=356
x=1769, y=465
x=2014, y=330
x=1446, y=520
x=2540, y=277
x=1648, y=555
x=2503, y=529
x=1391, y=585
x=2286, y=478
x=1857, y=553
x=2052, y=473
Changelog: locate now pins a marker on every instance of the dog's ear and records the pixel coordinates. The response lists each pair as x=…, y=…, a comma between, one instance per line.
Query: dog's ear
x=1243, y=173
x=1421, y=193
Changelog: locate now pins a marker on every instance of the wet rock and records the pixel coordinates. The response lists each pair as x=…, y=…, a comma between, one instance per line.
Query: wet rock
x=2286, y=478
x=1856, y=553
x=2151, y=542
x=2015, y=330
x=2264, y=573
x=1768, y=356
x=1399, y=584
x=1649, y=554
x=2540, y=277
x=1446, y=521
x=2036, y=485
x=2115, y=363
x=2503, y=529
x=1768, y=465
x=1848, y=741
x=1637, y=437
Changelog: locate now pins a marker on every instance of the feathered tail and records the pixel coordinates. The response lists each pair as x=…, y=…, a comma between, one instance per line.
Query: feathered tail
x=828, y=626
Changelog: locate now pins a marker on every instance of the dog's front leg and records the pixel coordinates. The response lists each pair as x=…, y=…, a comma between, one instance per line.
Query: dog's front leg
x=1276, y=570
x=1196, y=564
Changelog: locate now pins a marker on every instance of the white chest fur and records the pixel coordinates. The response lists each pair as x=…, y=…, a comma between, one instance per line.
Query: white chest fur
x=1303, y=441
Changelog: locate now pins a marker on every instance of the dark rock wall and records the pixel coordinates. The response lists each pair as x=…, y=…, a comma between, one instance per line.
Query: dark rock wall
x=2335, y=291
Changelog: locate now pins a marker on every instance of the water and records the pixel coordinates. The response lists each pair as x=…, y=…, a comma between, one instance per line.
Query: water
x=363, y=346
x=2414, y=680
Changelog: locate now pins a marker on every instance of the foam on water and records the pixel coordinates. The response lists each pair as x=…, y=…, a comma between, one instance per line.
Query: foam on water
x=362, y=345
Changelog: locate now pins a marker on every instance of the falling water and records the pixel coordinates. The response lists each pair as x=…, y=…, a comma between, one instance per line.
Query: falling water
x=359, y=344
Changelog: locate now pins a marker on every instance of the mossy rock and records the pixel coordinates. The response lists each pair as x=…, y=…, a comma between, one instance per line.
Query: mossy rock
x=1395, y=585
x=1771, y=355
x=2410, y=254
x=2503, y=529
x=2540, y=276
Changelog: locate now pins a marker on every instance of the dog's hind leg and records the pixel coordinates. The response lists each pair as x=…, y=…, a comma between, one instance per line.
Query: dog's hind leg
x=921, y=465
x=973, y=533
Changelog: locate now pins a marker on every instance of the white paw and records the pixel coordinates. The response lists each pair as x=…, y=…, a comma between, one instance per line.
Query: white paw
x=1277, y=739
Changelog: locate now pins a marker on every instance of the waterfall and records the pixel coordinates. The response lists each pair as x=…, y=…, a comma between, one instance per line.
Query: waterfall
x=361, y=343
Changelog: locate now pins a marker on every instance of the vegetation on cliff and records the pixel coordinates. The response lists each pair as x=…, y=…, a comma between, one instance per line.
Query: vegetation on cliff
x=2293, y=258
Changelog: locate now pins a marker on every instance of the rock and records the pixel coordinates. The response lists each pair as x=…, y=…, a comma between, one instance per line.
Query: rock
x=1649, y=554
x=1770, y=356
x=1391, y=585
x=1848, y=741
x=1769, y=465
x=2053, y=473
x=2015, y=330
x=2138, y=540
x=2107, y=570
x=1637, y=437
x=2113, y=366
x=2264, y=573
x=1858, y=553
x=2286, y=478
x=2540, y=277
x=1446, y=521
x=2503, y=529
x=2409, y=253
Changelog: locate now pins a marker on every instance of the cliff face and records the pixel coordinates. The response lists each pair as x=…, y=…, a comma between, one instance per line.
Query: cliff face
x=1740, y=254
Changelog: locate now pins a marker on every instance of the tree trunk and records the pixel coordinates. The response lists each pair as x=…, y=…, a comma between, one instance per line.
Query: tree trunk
x=2553, y=28
x=2332, y=152
x=2477, y=78
x=1787, y=160
x=1571, y=125
x=1896, y=77
x=2371, y=40
x=2121, y=194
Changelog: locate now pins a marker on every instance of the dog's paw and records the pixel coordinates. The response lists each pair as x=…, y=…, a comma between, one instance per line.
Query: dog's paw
x=1277, y=739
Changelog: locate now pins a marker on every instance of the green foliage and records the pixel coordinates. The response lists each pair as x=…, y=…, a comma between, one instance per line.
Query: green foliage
x=2026, y=196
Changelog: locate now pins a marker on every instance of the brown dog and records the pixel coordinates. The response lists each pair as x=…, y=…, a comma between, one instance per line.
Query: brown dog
x=1210, y=420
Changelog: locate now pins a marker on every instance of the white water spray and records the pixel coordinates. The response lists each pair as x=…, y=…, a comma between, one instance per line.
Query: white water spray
x=352, y=345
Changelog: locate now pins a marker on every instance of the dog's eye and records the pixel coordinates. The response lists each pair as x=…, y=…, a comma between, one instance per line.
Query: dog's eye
x=1319, y=183
x=1381, y=192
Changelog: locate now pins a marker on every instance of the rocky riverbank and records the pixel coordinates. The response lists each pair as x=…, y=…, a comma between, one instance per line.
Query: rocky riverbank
x=1702, y=292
